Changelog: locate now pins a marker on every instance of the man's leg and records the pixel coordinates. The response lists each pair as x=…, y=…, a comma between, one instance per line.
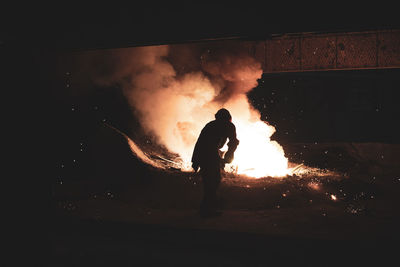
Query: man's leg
x=211, y=179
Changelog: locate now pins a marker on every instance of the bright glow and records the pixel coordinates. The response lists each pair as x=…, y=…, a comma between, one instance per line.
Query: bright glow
x=333, y=197
x=174, y=91
x=174, y=107
x=257, y=156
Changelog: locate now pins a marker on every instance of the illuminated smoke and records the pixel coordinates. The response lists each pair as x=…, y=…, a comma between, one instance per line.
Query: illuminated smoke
x=175, y=90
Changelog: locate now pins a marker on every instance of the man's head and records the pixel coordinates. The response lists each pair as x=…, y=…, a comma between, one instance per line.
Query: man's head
x=223, y=114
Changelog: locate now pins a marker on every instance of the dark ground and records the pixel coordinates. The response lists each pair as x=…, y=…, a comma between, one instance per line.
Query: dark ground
x=89, y=243
x=149, y=217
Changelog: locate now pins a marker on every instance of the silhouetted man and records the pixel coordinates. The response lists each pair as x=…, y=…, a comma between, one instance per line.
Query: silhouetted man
x=207, y=157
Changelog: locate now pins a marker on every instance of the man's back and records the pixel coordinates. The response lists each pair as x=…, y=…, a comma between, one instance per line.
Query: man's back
x=212, y=138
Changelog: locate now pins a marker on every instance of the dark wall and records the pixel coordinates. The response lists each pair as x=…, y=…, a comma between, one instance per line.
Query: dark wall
x=337, y=106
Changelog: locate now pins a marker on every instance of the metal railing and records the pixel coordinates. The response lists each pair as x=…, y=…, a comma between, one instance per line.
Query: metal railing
x=329, y=51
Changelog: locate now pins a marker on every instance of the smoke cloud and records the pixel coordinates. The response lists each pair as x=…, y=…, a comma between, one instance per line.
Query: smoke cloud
x=175, y=90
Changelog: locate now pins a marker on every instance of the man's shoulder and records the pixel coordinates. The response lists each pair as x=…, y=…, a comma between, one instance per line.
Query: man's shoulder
x=231, y=126
x=210, y=124
x=218, y=124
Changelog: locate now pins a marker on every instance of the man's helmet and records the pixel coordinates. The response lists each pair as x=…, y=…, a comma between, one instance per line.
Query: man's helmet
x=223, y=114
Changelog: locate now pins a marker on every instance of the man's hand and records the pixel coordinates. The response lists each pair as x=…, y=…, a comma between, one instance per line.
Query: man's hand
x=228, y=157
x=222, y=163
x=195, y=167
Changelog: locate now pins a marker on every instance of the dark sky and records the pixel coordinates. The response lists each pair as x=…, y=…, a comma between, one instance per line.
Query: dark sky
x=105, y=25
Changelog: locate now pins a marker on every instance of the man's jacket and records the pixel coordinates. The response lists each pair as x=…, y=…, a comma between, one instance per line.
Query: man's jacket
x=212, y=138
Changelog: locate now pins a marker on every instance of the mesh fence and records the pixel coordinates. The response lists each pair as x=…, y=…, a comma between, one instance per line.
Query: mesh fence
x=310, y=52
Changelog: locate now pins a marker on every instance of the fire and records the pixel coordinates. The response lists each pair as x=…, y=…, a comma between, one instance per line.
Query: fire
x=173, y=104
x=257, y=156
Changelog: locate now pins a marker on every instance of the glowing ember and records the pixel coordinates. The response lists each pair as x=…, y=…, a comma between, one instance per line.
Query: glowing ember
x=314, y=185
x=333, y=197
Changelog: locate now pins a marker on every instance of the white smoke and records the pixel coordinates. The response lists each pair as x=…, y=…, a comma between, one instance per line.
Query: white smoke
x=175, y=90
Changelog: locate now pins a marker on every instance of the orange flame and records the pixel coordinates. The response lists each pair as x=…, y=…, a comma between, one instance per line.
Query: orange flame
x=256, y=156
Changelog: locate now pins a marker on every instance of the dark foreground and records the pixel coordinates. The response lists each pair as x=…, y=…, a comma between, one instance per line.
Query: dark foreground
x=90, y=243
x=150, y=219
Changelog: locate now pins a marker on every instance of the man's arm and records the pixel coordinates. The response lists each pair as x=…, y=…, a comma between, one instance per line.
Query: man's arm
x=196, y=157
x=232, y=145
